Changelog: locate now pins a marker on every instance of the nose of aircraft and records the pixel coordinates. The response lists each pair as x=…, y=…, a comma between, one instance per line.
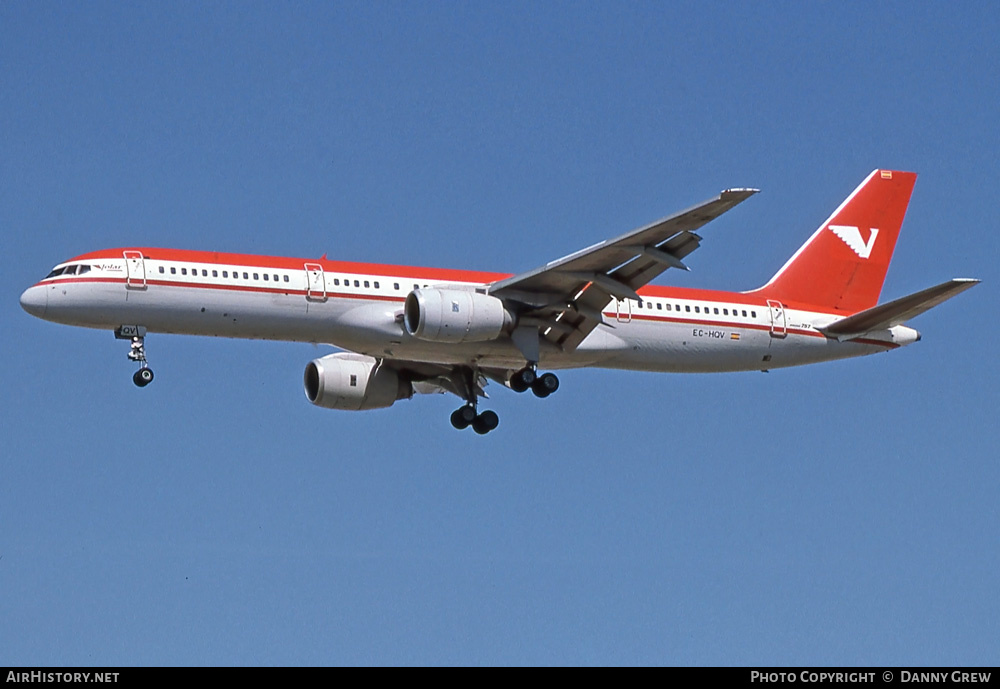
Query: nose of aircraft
x=35, y=300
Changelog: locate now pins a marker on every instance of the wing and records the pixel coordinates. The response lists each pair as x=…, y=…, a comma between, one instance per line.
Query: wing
x=565, y=298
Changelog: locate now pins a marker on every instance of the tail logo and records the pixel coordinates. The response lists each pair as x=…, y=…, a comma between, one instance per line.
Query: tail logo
x=851, y=236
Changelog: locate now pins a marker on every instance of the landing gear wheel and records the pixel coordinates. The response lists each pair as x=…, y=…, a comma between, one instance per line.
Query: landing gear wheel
x=540, y=392
x=486, y=422
x=143, y=377
x=463, y=417
x=545, y=385
x=528, y=375
x=517, y=383
x=549, y=382
x=523, y=379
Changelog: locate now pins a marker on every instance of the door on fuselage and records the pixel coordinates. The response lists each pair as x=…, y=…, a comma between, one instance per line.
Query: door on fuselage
x=779, y=327
x=135, y=270
x=623, y=307
x=315, y=282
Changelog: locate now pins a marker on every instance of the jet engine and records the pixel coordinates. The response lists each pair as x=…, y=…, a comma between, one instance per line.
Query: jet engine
x=452, y=315
x=353, y=382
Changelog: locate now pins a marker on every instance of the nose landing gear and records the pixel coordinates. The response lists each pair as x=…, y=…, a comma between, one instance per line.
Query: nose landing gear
x=137, y=352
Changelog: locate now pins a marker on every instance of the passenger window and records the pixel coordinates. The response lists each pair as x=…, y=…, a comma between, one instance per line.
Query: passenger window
x=265, y=277
x=687, y=307
x=161, y=269
x=725, y=312
x=275, y=277
x=357, y=283
x=366, y=283
x=256, y=276
x=395, y=285
x=697, y=309
x=173, y=270
x=215, y=273
x=744, y=313
x=225, y=273
x=659, y=307
x=245, y=276
x=376, y=284
x=184, y=271
x=753, y=314
x=716, y=311
x=286, y=278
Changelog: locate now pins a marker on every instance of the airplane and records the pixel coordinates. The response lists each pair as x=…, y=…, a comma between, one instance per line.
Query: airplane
x=406, y=330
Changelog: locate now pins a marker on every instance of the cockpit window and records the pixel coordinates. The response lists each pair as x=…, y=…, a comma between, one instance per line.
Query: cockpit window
x=69, y=270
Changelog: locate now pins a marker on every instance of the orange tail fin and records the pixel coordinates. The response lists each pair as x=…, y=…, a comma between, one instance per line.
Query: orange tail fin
x=843, y=265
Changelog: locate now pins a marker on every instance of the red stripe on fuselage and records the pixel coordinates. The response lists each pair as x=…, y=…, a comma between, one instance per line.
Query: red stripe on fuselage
x=232, y=288
x=224, y=260
x=229, y=260
x=722, y=297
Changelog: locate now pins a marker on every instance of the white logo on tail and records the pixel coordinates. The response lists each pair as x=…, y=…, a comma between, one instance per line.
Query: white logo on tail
x=852, y=238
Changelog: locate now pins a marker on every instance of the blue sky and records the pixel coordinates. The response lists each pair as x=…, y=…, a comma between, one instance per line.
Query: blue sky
x=837, y=514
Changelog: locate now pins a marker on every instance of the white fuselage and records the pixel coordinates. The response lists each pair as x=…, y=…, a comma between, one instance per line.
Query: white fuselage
x=358, y=307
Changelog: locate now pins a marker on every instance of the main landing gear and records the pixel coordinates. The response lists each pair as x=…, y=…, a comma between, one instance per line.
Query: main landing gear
x=466, y=383
x=137, y=352
x=482, y=423
x=542, y=385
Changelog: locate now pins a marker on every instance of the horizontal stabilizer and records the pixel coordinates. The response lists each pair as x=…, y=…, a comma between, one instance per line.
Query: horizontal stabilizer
x=896, y=312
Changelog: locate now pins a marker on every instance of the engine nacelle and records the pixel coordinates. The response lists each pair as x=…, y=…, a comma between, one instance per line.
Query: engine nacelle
x=454, y=315
x=353, y=382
